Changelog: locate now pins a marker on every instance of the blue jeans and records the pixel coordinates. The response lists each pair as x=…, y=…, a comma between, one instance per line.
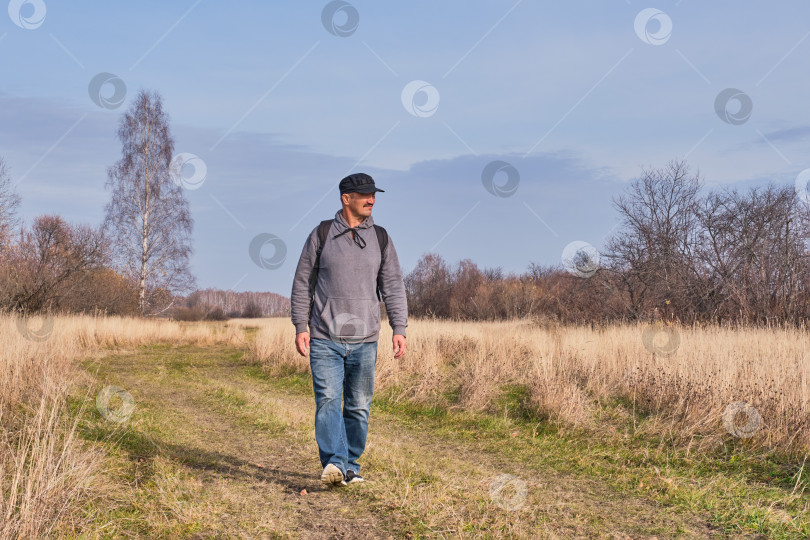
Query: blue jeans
x=345, y=369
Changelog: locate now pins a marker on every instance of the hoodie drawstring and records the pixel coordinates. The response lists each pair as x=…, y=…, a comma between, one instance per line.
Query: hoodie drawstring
x=357, y=238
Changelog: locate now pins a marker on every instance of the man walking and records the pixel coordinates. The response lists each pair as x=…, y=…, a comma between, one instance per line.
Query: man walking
x=347, y=266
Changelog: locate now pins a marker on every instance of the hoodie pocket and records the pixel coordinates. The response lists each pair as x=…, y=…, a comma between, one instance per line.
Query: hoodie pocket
x=350, y=320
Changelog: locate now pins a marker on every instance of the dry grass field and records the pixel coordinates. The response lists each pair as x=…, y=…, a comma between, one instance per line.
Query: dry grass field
x=481, y=430
x=701, y=386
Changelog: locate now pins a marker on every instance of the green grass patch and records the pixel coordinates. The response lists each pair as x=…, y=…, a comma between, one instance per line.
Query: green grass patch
x=285, y=378
x=514, y=400
x=246, y=412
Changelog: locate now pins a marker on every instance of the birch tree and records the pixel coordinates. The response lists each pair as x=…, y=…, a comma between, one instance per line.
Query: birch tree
x=147, y=217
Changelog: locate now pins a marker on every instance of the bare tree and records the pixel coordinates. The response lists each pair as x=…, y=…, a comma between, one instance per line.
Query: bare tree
x=148, y=215
x=755, y=253
x=429, y=286
x=9, y=202
x=728, y=255
x=252, y=311
x=467, y=280
x=654, y=249
x=48, y=261
x=102, y=290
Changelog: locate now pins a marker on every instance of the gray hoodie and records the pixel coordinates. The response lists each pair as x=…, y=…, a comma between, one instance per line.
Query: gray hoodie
x=346, y=308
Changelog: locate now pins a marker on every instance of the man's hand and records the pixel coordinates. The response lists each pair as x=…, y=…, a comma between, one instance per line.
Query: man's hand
x=302, y=343
x=399, y=345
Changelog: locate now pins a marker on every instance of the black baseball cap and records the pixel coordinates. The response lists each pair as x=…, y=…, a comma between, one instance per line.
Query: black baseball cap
x=359, y=182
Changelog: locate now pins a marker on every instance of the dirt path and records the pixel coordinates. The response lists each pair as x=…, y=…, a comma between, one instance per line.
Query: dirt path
x=213, y=450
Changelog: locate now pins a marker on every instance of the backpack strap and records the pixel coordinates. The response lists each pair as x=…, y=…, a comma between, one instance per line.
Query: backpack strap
x=382, y=240
x=323, y=232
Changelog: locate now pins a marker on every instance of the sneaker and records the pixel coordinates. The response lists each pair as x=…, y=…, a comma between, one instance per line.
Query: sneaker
x=332, y=475
x=353, y=478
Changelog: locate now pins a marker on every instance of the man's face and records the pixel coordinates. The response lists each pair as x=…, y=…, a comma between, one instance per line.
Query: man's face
x=360, y=204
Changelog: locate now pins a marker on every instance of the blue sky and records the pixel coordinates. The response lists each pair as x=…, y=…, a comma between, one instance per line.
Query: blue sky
x=279, y=109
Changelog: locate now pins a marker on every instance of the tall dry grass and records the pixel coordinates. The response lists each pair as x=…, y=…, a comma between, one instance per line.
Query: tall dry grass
x=43, y=467
x=752, y=384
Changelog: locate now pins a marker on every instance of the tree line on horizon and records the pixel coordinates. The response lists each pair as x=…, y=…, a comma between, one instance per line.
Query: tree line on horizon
x=218, y=305
x=680, y=252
